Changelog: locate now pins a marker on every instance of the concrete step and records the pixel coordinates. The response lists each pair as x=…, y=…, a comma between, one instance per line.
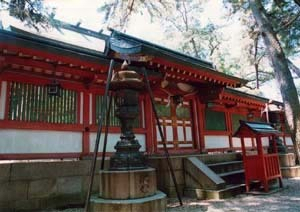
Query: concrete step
x=229, y=191
x=198, y=175
x=226, y=166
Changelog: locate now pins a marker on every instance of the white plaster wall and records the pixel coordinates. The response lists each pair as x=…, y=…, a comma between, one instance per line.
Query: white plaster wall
x=288, y=141
x=158, y=138
x=180, y=133
x=81, y=108
x=188, y=131
x=248, y=142
x=168, y=146
x=39, y=141
x=265, y=141
x=185, y=145
x=3, y=99
x=236, y=142
x=91, y=108
x=169, y=131
x=215, y=141
x=112, y=140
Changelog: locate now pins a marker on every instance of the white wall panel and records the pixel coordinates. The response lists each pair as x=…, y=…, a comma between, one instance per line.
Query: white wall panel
x=236, y=142
x=288, y=141
x=81, y=108
x=169, y=131
x=168, y=146
x=91, y=108
x=265, y=141
x=112, y=140
x=180, y=133
x=248, y=142
x=39, y=141
x=215, y=141
x=3, y=99
x=188, y=131
x=158, y=138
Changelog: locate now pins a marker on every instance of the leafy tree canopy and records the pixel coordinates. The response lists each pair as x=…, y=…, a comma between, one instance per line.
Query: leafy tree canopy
x=31, y=12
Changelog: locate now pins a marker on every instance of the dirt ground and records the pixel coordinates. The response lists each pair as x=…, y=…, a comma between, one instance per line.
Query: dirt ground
x=286, y=199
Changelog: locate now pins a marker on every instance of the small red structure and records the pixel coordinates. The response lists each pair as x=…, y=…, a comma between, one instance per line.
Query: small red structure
x=260, y=166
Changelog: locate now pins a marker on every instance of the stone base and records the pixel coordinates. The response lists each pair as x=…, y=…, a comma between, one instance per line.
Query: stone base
x=290, y=172
x=288, y=167
x=130, y=184
x=155, y=203
x=287, y=160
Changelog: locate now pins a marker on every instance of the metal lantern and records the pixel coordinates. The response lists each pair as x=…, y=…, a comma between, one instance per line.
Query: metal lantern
x=127, y=85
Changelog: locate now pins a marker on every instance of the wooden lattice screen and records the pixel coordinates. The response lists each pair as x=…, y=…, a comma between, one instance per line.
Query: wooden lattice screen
x=32, y=103
x=114, y=121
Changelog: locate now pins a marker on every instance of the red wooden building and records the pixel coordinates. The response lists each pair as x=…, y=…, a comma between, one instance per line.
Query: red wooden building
x=198, y=106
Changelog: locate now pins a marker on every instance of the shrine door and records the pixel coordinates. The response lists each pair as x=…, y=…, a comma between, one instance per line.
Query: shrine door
x=176, y=124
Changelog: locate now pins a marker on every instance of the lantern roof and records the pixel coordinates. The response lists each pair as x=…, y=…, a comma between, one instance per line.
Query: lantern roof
x=255, y=128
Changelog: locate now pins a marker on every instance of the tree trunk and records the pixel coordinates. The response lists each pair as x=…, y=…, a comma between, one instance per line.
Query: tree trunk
x=282, y=73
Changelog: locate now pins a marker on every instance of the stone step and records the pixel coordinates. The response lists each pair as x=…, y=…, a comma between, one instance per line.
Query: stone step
x=229, y=191
x=226, y=166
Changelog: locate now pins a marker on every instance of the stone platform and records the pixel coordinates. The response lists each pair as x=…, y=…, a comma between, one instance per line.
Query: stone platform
x=132, y=190
x=288, y=167
x=156, y=202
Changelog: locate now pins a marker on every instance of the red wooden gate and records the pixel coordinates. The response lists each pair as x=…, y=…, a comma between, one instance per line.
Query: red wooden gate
x=259, y=165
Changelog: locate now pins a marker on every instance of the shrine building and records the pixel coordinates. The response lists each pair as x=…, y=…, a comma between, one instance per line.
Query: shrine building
x=52, y=90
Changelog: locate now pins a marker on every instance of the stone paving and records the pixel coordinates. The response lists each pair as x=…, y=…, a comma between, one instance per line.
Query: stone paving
x=287, y=199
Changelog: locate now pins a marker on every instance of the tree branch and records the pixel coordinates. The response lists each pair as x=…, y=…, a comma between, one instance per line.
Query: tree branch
x=297, y=2
x=294, y=68
x=289, y=23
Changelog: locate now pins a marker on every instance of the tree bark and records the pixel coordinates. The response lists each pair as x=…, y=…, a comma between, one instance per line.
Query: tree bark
x=283, y=75
x=294, y=68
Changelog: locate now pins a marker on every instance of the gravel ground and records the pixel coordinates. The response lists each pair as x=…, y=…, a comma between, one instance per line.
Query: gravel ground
x=287, y=199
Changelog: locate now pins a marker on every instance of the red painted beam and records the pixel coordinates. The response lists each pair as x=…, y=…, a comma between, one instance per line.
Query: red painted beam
x=55, y=57
x=52, y=67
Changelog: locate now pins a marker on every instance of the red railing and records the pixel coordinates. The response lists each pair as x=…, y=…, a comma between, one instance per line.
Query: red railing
x=272, y=168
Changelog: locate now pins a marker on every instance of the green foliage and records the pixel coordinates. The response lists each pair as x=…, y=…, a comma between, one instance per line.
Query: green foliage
x=285, y=18
x=283, y=15
x=31, y=12
x=117, y=13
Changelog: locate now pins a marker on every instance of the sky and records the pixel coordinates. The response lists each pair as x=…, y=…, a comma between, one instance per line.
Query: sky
x=85, y=11
x=140, y=26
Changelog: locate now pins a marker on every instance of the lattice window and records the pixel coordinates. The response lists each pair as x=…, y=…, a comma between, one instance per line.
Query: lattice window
x=176, y=123
x=113, y=120
x=236, y=121
x=183, y=112
x=215, y=120
x=32, y=103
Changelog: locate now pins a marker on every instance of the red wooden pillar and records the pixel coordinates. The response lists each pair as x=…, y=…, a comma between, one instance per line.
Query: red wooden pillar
x=195, y=124
x=245, y=163
x=86, y=124
x=229, y=127
x=151, y=145
x=200, y=121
